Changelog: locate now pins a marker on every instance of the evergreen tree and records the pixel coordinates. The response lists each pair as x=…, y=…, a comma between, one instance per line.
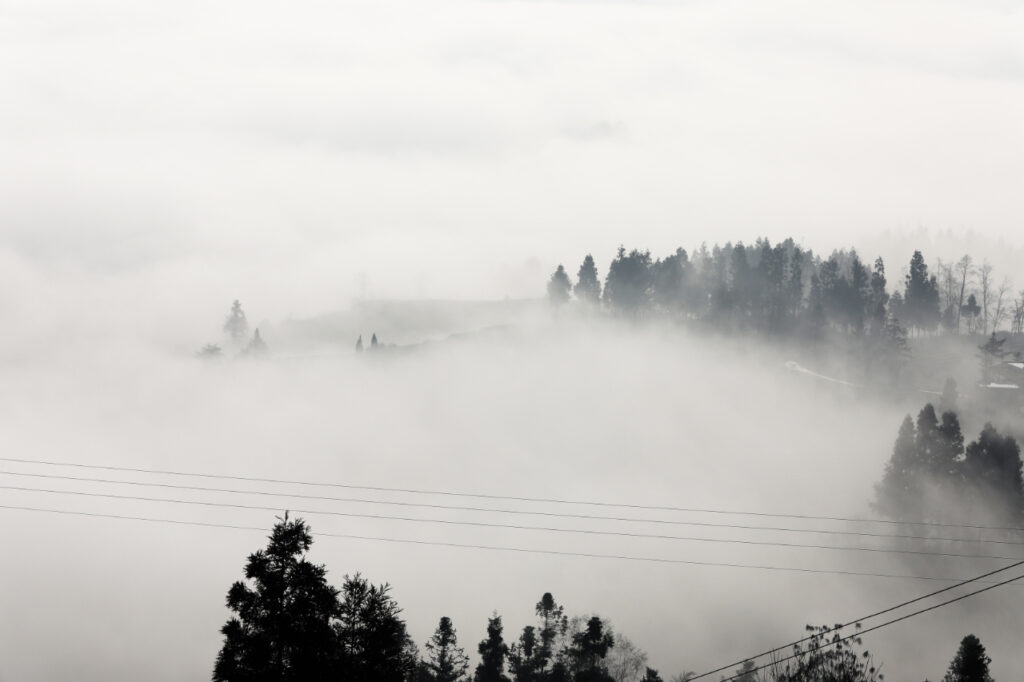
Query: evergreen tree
x=588, y=649
x=898, y=494
x=627, y=287
x=970, y=311
x=878, y=298
x=669, y=279
x=522, y=656
x=493, y=652
x=447, y=662
x=921, y=296
x=970, y=664
x=282, y=624
x=236, y=326
x=373, y=644
x=257, y=346
x=588, y=286
x=992, y=469
x=559, y=287
x=552, y=623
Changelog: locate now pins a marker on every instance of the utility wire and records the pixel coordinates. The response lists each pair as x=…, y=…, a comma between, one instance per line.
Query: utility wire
x=878, y=627
x=545, y=500
x=496, y=548
x=510, y=526
x=654, y=536
x=588, y=517
x=862, y=619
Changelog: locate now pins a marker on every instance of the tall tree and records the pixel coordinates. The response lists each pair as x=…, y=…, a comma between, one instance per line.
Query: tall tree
x=669, y=280
x=964, y=270
x=493, y=652
x=992, y=468
x=898, y=494
x=236, y=326
x=373, y=643
x=446, y=661
x=588, y=650
x=970, y=663
x=282, y=624
x=588, y=286
x=921, y=296
x=559, y=287
x=627, y=287
x=553, y=622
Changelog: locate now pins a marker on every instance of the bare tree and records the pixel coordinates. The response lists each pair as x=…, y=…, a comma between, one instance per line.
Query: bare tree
x=985, y=283
x=626, y=661
x=964, y=269
x=1018, y=314
x=1002, y=302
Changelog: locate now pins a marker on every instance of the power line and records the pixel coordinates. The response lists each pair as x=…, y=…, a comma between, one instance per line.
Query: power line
x=496, y=548
x=862, y=619
x=621, y=534
x=527, y=512
x=515, y=498
x=509, y=526
x=878, y=627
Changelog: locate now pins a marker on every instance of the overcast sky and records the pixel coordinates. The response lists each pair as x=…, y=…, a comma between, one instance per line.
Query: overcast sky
x=302, y=153
x=160, y=160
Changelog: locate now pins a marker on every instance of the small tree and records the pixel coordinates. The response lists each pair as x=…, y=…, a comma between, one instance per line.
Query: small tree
x=446, y=661
x=588, y=286
x=236, y=326
x=559, y=287
x=493, y=652
x=970, y=664
x=282, y=624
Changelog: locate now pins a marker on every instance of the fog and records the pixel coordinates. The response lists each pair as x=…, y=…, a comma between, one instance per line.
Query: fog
x=320, y=162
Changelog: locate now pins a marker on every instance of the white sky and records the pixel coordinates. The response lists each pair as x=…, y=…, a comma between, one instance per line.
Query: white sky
x=304, y=152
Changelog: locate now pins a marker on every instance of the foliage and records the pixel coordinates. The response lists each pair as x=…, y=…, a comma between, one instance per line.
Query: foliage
x=970, y=664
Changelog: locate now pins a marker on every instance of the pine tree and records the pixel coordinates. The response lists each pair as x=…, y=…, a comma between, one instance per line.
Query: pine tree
x=552, y=623
x=588, y=286
x=236, y=326
x=446, y=661
x=493, y=652
x=373, y=643
x=921, y=296
x=898, y=494
x=282, y=627
x=992, y=470
x=588, y=649
x=970, y=664
x=559, y=287
x=627, y=287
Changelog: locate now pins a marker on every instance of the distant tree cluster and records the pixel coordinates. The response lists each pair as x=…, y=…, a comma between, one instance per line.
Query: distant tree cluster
x=290, y=624
x=236, y=329
x=783, y=289
x=932, y=476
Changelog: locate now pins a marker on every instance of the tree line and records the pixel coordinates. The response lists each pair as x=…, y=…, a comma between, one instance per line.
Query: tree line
x=784, y=289
x=289, y=624
x=932, y=476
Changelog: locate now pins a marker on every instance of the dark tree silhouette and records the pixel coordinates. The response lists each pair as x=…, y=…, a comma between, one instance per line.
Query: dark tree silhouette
x=651, y=675
x=971, y=310
x=236, y=326
x=282, y=627
x=373, y=340
x=493, y=652
x=359, y=344
x=921, y=296
x=825, y=658
x=992, y=468
x=898, y=495
x=588, y=286
x=970, y=663
x=446, y=661
x=627, y=287
x=669, y=280
x=559, y=287
x=523, y=656
x=587, y=651
x=553, y=622
x=373, y=645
